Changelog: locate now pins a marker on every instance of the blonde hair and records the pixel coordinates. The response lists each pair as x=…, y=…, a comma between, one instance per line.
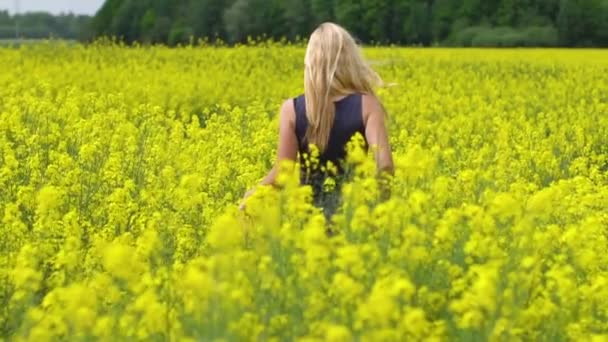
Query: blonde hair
x=334, y=66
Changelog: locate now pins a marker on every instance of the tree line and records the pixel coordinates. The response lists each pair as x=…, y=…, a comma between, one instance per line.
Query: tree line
x=407, y=22
x=570, y=23
x=42, y=25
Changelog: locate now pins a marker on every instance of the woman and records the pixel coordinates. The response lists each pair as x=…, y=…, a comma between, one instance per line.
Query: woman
x=338, y=102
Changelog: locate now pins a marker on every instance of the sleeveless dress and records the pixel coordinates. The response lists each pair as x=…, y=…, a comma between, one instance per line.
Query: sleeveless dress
x=348, y=121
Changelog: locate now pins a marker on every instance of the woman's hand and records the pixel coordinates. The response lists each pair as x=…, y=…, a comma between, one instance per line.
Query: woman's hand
x=248, y=194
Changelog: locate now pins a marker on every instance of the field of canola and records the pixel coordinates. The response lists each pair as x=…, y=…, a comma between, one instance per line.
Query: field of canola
x=121, y=169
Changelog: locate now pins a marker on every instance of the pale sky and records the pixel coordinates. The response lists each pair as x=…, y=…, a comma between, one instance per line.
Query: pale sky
x=53, y=6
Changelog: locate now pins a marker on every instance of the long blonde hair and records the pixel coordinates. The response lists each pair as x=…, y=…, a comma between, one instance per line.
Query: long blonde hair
x=334, y=66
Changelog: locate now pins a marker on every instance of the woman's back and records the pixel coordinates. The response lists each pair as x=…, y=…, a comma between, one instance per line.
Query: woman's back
x=348, y=121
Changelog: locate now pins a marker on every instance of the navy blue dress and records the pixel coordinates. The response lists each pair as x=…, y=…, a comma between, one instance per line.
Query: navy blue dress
x=348, y=121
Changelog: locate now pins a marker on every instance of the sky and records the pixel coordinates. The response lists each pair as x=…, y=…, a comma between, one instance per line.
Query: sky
x=53, y=6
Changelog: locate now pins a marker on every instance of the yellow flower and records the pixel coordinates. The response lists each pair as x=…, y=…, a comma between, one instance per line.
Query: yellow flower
x=120, y=172
x=336, y=333
x=118, y=260
x=49, y=198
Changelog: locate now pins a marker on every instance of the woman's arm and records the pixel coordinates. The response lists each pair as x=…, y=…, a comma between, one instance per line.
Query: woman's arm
x=287, y=145
x=376, y=133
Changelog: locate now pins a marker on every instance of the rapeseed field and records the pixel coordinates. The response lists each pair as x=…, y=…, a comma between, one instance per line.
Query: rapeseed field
x=121, y=170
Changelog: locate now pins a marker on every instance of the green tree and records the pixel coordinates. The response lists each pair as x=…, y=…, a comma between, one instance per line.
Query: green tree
x=417, y=26
x=256, y=18
x=461, y=22
x=377, y=20
x=323, y=10
x=205, y=17
x=102, y=22
x=350, y=14
x=125, y=23
x=299, y=18
x=147, y=23
x=161, y=29
x=443, y=13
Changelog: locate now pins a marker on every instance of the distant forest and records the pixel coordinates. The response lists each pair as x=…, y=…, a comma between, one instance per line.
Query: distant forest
x=424, y=22
x=571, y=23
x=40, y=25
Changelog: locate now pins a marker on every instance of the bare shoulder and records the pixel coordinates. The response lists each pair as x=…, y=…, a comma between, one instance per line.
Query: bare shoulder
x=288, y=112
x=371, y=106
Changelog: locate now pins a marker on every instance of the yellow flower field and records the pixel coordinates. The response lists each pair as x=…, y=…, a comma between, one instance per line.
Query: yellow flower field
x=121, y=169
